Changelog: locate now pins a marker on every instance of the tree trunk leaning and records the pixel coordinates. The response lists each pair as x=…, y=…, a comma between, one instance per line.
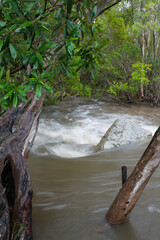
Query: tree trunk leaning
x=133, y=187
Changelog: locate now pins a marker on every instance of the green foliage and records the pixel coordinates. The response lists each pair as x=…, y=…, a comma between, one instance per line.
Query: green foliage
x=74, y=86
x=127, y=38
x=131, y=89
x=139, y=73
x=119, y=88
x=57, y=46
x=36, y=36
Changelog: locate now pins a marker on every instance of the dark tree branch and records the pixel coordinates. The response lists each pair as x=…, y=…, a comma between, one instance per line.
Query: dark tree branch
x=104, y=7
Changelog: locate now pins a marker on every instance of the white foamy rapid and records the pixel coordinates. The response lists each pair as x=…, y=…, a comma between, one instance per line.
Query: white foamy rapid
x=153, y=209
x=73, y=130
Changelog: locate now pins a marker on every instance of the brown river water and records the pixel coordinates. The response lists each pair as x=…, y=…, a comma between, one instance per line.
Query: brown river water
x=74, y=187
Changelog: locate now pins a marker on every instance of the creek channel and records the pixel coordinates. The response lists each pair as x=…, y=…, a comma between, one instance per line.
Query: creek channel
x=74, y=187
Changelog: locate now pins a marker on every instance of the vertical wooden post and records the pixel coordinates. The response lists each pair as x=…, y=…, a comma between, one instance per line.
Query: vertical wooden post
x=124, y=174
x=133, y=187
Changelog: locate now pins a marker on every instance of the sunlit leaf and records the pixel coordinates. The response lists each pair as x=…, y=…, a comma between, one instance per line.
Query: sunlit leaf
x=35, y=65
x=38, y=91
x=15, y=99
x=2, y=24
x=45, y=28
x=93, y=13
x=9, y=94
x=12, y=51
x=26, y=24
x=7, y=76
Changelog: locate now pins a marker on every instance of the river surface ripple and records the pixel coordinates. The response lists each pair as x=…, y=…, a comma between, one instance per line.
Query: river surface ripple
x=74, y=187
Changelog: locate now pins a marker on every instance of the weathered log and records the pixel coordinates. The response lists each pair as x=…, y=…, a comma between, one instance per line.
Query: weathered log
x=15, y=185
x=133, y=187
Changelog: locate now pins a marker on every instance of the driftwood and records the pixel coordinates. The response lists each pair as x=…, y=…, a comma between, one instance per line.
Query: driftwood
x=133, y=187
x=15, y=186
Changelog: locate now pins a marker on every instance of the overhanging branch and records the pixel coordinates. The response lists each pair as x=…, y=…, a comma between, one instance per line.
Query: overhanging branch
x=105, y=6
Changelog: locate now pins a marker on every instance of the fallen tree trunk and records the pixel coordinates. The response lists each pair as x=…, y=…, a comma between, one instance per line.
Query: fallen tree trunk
x=133, y=187
x=15, y=185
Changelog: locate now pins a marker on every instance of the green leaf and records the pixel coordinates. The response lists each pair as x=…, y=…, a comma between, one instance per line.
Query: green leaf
x=58, y=48
x=26, y=60
x=45, y=28
x=93, y=13
x=26, y=24
x=2, y=24
x=9, y=94
x=40, y=61
x=4, y=105
x=38, y=91
x=74, y=31
x=37, y=31
x=70, y=25
x=44, y=23
x=22, y=89
x=15, y=99
x=48, y=88
x=24, y=99
x=66, y=70
x=35, y=65
x=31, y=6
x=1, y=72
x=18, y=30
x=7, y=15
x=70, y=47
x=39, y=56
x=7, y=76
x=1, y=44
x=39, y=11
x=15, y=6
x=12, y=51
x=92, y=74
x=32, y=58
x=34, y=74
x=29, y=43
x=5, y=86
x=7, y=40
x=56, y=29
x=12, y=27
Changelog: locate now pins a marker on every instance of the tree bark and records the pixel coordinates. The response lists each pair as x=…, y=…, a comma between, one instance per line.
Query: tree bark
x=133, y=187
x=15, y=185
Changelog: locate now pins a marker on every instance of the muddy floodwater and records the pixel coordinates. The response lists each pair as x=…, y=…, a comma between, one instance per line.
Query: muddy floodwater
x=74, y=187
